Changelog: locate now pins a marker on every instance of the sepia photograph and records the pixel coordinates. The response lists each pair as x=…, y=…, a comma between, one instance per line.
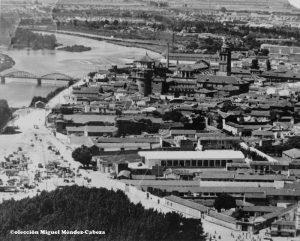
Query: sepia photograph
x=149, y=120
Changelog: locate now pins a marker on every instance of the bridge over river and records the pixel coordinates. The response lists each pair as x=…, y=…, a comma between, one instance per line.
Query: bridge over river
x=16, y=74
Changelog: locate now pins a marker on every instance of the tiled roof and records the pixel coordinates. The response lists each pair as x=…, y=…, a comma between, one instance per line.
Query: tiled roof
x=222, y=217
x=183, y=132
x=82, y=119
x=260, y=113
x=126, y=140
x=99, y=129
x=262, y=133
x=220, y=79
x=293, y=153
x=86, y=90
x=266, y=209
x=182, y=81
x=187, y=203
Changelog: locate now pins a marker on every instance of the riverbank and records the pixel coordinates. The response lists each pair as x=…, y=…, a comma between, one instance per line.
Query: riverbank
x=6, y=62
x=153, y=46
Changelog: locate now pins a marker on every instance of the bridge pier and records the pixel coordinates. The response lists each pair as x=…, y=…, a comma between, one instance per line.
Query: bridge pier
x=2, y=80
x=39, y=82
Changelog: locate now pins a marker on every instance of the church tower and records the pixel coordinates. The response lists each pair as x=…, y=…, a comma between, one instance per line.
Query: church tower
x=143, y=74
x=225, y=60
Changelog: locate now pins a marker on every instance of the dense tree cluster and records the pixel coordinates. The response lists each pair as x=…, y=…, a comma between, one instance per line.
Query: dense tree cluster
x=174, y=115
x=133, y=127
x=195, y=123
x=80, y=208
x=25, y=38
x=224, y=201
x=5, y=113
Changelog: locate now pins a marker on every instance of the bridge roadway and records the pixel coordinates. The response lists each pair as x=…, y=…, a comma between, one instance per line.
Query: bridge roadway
x=16, y=74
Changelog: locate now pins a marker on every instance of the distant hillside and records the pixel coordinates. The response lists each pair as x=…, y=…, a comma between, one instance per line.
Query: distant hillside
x=250, y=5
x=80, y=208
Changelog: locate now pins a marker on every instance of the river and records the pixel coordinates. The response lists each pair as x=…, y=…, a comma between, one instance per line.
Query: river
x=19, y=92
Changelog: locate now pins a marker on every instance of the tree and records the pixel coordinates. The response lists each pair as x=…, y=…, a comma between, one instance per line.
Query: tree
x=94, y=150
x=224, y=201
x=199, y=123
x=70, y=83
x=251, y=42
x=118, y=112
x=192, y=45
x=82, y=155
x=293, y=142
x=92, y=74
x=174, y=115
x=264, y=52
x=223, y=10
x=254, y=64
x=268, y=64
x=184, y=120
x=239, y=214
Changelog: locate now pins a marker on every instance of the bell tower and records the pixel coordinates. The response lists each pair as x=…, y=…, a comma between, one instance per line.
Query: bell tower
x=225, y=60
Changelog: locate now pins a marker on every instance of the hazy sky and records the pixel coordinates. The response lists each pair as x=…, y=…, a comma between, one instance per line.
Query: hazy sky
x=295, y=3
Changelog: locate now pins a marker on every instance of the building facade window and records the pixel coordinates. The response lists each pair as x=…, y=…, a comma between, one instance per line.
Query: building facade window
x=223, y=163
x=199, y=163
